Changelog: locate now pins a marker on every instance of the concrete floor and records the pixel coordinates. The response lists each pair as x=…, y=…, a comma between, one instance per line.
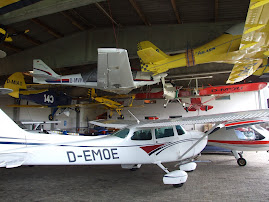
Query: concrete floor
x=219, y=180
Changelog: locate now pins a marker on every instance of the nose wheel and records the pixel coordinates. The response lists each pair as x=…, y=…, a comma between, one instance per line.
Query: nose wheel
x=241, y=162
x=239, y=157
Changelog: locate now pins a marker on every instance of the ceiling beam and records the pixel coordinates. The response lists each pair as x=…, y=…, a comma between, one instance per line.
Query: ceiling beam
x=44, y=7
x=106, y=13
x=140, y=12
x=28, y=38
x=73, y=20
x=173, y=2
x=12, y=47
x=48, y=28
x=82, y=19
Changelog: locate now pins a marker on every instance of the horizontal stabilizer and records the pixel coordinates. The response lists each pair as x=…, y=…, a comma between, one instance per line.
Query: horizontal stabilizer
x=12, y=160
x=44, y=77
x=241, y=71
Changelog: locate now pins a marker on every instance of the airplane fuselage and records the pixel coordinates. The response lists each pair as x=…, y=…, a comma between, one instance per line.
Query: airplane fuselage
x=253, y=138
x=140, y=80
x=125, y=147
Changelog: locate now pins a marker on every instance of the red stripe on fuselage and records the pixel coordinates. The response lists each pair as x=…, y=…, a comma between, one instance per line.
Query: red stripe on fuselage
x=247, y=142
x=242, y=122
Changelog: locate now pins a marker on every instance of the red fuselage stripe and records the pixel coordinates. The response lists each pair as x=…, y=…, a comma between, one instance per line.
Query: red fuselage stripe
x=242, y=122
x=247, y=142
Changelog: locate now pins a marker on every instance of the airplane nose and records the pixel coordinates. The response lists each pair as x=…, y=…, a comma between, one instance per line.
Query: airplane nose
x=202, y=141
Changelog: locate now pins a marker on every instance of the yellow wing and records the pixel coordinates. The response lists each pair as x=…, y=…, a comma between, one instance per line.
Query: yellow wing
x=254, y=43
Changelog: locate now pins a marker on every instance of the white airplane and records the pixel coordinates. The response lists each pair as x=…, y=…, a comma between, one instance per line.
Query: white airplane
x=153, y=142
x=241, y=136
x=113, y=74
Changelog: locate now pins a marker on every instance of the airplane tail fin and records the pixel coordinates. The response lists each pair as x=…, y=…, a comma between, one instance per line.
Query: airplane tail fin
x=148, y=54
x=15, y=82
x=12, y=138
x=42, y=72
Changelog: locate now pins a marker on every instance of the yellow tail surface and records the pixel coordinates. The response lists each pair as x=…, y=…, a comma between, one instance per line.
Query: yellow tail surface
x=15, y=82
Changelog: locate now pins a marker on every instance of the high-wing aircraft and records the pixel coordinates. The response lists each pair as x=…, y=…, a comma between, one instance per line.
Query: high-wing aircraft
x=241, y=136
x=43, y=97
x=172, y=93
x=245, y=45
x=111, y=105
x=113, y=74
x=153, y=142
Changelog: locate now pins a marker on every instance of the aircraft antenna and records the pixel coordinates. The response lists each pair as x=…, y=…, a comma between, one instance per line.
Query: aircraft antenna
x=134, y=117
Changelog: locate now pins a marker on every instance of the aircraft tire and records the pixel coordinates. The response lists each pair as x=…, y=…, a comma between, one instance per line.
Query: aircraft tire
x=241, y=162
x=50, y=117
x=178, y=185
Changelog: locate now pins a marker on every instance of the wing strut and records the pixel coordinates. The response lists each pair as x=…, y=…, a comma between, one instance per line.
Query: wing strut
x=221, y=125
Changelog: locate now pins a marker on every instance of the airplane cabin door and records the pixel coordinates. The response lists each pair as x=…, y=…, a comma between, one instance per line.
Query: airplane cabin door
x=167, y=141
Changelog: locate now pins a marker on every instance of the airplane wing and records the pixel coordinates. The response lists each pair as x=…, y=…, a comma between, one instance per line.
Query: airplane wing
x=254, y=42
x=12, y=160
x=246, y=116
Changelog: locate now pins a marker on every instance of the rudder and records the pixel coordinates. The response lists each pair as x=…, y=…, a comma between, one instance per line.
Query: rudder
x=15, y=82
x=42, y=72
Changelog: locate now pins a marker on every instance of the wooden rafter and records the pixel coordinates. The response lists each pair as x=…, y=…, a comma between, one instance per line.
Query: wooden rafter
x=106, y=13
x=173, y=2
x=73, y=20
x=12, y=47
x=216, y=10
x=28, y=38
x=82, y=19
x=140, y=12
x=48, y=28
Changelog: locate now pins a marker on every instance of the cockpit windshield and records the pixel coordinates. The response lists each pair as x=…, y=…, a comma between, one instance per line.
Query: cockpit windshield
x=121, y=133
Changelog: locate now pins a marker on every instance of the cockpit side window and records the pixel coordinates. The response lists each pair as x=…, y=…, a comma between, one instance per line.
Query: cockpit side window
x=142, y=135
x=164, y=132
x=248, y=133
x=121, y=133
x=180, y=130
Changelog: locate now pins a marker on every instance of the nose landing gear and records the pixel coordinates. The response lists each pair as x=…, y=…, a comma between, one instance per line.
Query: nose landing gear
x=239, y=157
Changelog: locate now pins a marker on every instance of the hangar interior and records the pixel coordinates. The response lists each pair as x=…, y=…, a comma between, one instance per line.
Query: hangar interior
x=43, y=42
x=66, y=35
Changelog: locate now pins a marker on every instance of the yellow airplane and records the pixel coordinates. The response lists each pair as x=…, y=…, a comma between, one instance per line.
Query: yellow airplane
x=6, y=37
x=110, y=104
x=245, y=45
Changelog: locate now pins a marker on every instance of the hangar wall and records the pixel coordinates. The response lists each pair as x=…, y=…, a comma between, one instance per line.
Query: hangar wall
x=237, y=102
x=81, y=48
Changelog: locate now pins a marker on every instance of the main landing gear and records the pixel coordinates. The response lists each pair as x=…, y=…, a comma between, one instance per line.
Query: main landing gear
x=177, y=177
x=239, y=157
